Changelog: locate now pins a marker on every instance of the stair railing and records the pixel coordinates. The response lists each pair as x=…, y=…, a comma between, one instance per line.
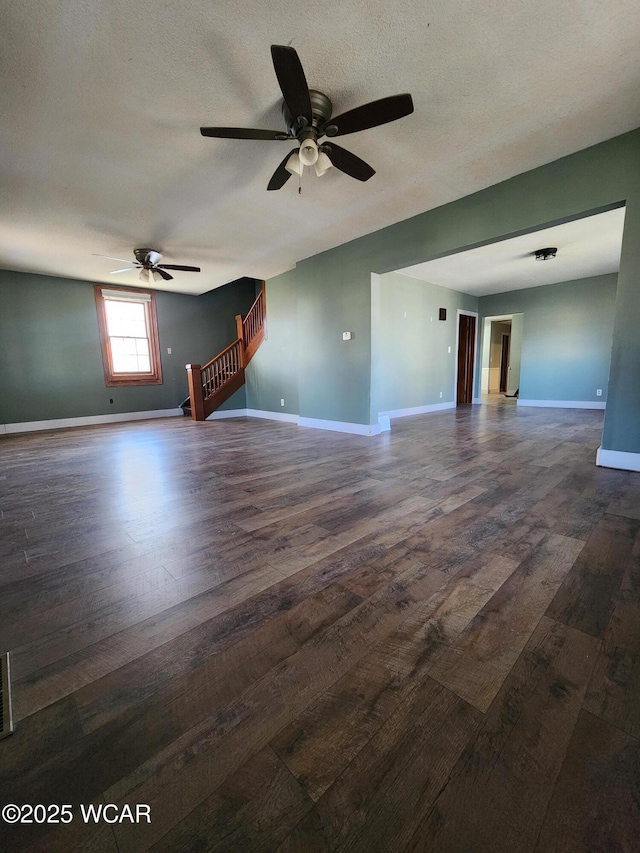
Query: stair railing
x=212, y=383
x=252, y=327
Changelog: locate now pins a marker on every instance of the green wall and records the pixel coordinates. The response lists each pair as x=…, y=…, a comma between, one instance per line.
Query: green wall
x=272, y=375
x=515, y=352
x=333, y=289
x=334, y=374
x=566, y=337
x=411, y=363
x=50, y=360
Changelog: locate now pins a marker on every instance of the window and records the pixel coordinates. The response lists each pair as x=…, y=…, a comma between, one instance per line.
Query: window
x=128, y=336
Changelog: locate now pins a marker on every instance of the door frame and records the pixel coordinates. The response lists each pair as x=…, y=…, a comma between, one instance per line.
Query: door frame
x=505, y=366
x=474, y=399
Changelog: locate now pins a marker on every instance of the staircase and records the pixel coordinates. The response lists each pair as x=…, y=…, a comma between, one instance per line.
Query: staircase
x=213, y=383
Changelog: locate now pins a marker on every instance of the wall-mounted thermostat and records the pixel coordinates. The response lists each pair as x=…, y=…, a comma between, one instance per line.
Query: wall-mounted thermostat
x=346, y=336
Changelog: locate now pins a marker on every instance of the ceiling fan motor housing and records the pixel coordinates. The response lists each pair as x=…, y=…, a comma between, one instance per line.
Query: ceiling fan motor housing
x=147, y=257
x=321, y=110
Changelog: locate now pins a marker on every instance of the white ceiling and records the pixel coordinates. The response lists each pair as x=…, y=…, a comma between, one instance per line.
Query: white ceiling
x=586, y=247
x=102, y=103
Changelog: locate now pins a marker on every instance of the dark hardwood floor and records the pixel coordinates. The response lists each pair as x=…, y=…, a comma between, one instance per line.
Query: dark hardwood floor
x=282, y=639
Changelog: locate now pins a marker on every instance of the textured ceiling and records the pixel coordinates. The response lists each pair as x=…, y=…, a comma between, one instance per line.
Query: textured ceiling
x=586, y=247
x=102, y=102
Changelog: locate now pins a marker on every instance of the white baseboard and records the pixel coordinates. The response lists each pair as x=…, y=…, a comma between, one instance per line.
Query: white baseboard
x=562, y=404
x=340, y=426
x=90, y=420
x=253, y=413
x=227, y=413
x=621, y=459
x=416, y=410
x=286, y=417
x=314, y=423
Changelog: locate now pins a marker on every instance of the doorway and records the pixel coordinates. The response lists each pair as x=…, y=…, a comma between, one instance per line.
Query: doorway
x=466, y=350
x=501, y=354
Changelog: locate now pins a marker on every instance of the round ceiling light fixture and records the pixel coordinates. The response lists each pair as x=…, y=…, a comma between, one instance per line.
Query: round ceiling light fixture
x=545, y=254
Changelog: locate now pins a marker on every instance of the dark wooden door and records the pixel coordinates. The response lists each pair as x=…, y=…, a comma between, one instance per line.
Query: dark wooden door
x=466, y=354
x=504, y=364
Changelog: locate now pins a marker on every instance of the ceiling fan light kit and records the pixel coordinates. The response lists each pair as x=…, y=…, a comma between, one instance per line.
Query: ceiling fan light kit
x=147, y=261
x=308, y=152
x=323, y=164
x=308, y=118
x=294, y=166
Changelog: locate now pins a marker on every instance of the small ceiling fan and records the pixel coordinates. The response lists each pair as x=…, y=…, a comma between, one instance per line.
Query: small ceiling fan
x=146, y=260
x=308, y=117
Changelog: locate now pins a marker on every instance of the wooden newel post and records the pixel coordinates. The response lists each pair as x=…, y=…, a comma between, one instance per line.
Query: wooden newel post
x=194, y=375
x=240, y=333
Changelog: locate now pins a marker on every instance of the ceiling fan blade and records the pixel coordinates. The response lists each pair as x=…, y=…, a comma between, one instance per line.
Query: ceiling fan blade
x=109, y=257
x=176, y=267
x=372, y=114
x=349, y=163
x=292, y=81
x=243, y=133
x=126, y=269
x=165, y=275
x=280, y=176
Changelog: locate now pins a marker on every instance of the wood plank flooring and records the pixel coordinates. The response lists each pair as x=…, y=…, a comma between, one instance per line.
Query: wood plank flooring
x=283, y=639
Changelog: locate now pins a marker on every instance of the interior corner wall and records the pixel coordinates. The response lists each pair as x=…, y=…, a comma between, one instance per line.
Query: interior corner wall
x=272, y=374
x=566, y=337
x=415, y=350
x=305, y=360
x=50, y=358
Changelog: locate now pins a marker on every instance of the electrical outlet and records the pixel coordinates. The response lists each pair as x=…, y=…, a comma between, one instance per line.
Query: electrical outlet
x=168, y=350
x=448, y=349
x=441, y=394
x=282, y=401
x=599, y=392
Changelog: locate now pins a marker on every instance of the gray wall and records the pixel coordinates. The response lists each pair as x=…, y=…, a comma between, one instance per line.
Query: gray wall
x=333, y=289
x=411, y=363
x=566, y=337
x=50, y=361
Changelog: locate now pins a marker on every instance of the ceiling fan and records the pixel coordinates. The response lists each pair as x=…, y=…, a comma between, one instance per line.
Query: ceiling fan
x=146, y=260
x=308, y=117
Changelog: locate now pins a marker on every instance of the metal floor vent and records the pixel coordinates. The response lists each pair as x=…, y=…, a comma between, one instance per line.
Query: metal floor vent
x=6, y=718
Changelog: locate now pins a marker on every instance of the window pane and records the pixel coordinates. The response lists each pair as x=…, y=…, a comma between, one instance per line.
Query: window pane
x=126, y=319
x=130, y=355
x=142, y=352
